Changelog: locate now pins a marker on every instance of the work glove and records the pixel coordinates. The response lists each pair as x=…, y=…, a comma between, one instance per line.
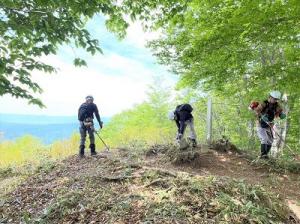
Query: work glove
x=88, y=124
x=282, y=115
x=265, y=118
x=101, y=124
x=253, y=105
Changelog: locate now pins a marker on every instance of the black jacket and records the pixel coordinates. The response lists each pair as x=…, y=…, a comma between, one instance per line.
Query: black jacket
x=183, y=112
x=271, y=110
x=87, y=110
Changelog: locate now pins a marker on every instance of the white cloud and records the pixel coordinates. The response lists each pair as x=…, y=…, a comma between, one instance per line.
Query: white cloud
x=117, y=80
x=138, y=37
x=65, y=90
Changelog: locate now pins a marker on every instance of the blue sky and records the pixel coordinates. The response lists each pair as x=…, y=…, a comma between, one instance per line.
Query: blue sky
x=118, y=79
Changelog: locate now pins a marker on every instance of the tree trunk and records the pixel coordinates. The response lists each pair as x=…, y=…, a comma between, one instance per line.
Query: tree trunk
x=251, y=126
x=279, y=141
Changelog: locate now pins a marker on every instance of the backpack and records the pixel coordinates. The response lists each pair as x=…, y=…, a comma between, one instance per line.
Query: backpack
x=183, y=107
x=82, y=112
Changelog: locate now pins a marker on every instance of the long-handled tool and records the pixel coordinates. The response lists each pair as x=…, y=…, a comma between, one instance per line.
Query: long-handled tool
x=107, y=148
x=280, y=137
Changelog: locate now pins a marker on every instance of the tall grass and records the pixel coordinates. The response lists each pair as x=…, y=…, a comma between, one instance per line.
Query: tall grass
x=24, y=149
x=31, y=151
x=63, y=148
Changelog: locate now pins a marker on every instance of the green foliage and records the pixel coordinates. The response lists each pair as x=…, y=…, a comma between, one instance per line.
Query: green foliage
x=215, y=43
x=146, y=123
x=29, y=151
x=32, y=29
x=237, y=51
x=79, y=62
x=23, y=149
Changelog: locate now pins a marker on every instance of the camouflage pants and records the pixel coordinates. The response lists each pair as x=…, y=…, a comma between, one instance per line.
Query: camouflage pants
x=83, y=130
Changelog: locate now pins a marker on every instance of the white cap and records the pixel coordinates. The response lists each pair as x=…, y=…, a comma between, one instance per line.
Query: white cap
x=89, y=97
x=171, y=115
x=275, y=94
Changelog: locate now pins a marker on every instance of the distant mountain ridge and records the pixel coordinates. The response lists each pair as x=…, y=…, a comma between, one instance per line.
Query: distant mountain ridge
x=40, y=119
x=47, y=128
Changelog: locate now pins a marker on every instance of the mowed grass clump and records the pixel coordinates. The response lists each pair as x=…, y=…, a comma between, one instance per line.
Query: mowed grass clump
x=104, y=190
x=188, y=199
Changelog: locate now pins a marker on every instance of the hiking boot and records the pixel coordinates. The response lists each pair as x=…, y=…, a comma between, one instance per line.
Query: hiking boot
x=268, y=149
x=194, y=143
x=265, y=149
x=179, y=137
x=264, y=157
x=81, y=156
x=81, y=151
x=93, y=149
x=266, y=152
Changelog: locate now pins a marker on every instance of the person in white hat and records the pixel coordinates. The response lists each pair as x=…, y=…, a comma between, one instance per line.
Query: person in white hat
x=266, y=112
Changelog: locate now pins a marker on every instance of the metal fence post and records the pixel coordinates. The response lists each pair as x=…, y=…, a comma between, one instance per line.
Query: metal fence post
x=209, y=122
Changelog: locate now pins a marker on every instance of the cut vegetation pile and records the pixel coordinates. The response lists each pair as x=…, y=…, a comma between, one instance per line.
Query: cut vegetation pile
x=111, y=190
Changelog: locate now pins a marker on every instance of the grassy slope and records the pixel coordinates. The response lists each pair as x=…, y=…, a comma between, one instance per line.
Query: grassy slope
x=120, y=189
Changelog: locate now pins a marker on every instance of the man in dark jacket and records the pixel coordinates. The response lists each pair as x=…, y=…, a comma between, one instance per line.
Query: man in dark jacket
x=85, y=116
x=183, y=117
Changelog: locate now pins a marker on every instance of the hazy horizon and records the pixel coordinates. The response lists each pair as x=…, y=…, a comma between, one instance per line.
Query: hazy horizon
x=40, y=119
x=47, y=128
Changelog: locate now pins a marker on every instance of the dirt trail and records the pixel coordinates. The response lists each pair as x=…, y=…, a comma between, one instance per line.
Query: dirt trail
x=211, y=162
x=235, y=166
